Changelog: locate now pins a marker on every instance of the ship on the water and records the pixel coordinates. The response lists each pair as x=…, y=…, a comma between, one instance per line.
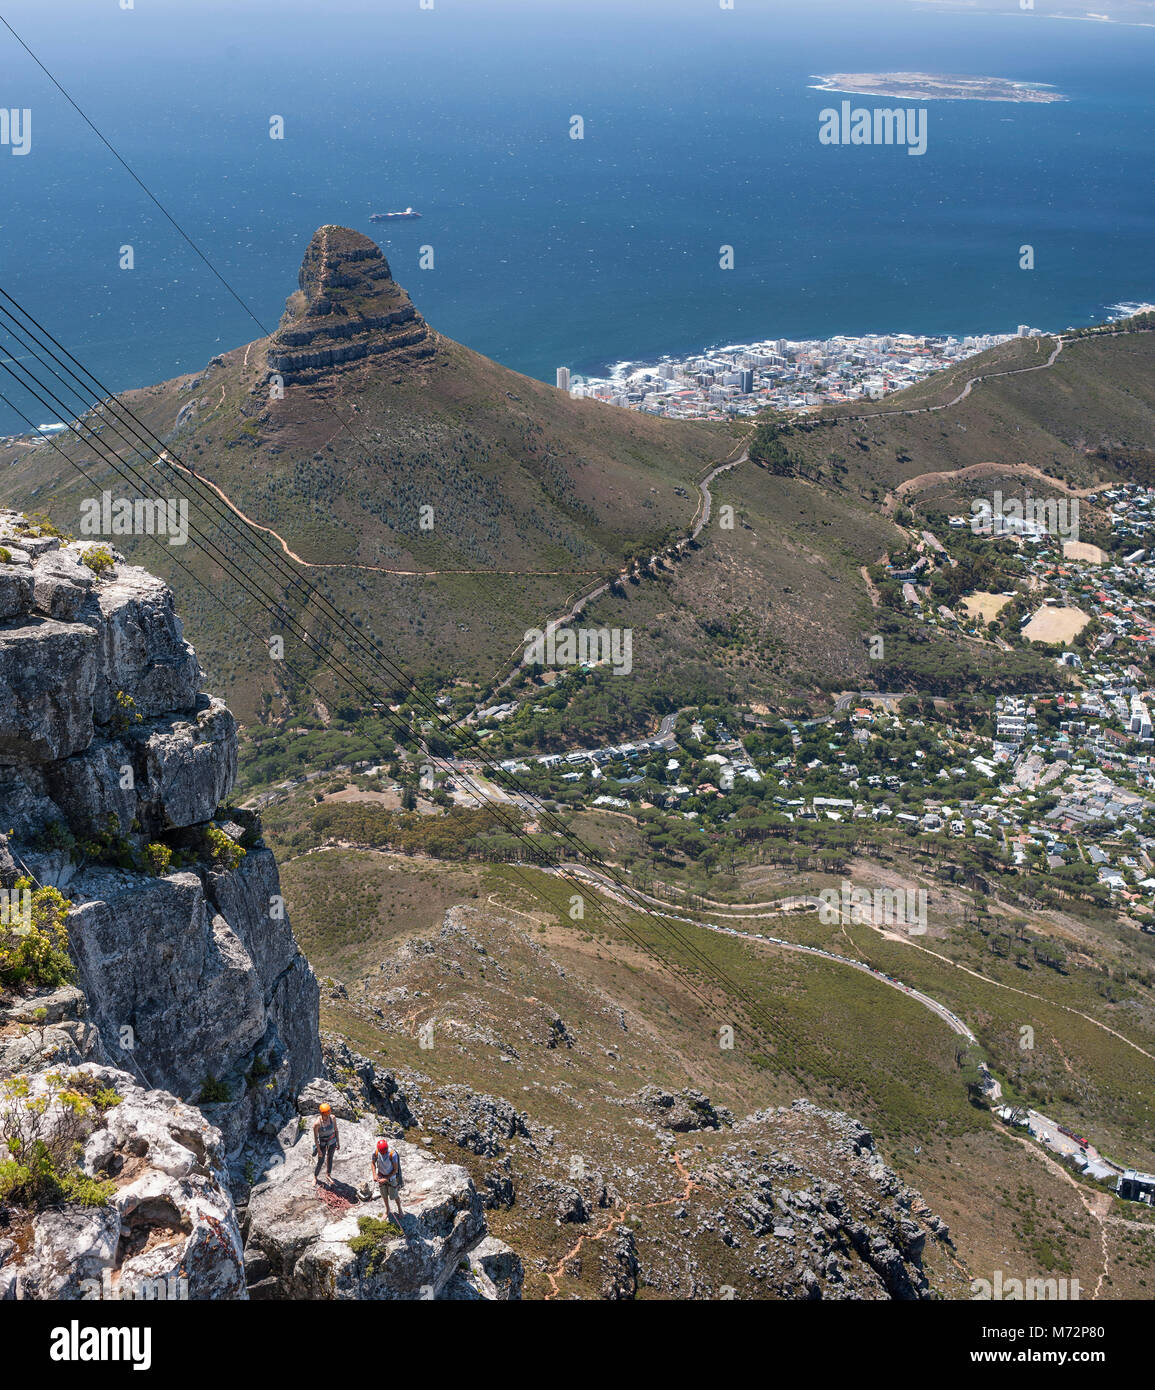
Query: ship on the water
x=393, y=216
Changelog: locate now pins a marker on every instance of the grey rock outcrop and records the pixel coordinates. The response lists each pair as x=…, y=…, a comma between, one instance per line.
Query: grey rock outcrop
x=482, y=1124
x=170, y=1220
x=305, y=1247
x=809, y=1238
x=620, y=1266
x=682, y=1111
x=72, y=642
x=107, y=746
x=49, y=1028
x=365, y=1086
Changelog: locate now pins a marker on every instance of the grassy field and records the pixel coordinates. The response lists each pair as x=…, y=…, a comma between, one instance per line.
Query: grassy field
x=1055, y=625
x=985, y=606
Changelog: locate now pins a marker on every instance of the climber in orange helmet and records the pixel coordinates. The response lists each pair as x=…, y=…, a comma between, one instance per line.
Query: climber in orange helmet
x=326, y=1141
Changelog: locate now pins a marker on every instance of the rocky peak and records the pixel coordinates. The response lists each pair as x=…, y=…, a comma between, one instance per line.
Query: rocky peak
x=348, y=308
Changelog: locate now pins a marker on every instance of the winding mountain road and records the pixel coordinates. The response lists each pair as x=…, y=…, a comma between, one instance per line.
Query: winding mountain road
x=607, y=886
x=971, y=383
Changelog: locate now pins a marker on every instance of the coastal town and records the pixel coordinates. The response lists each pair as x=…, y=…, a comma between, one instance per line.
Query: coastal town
x=780, y=373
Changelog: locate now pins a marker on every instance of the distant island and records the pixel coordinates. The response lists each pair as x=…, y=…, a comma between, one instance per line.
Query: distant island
x=926, y=86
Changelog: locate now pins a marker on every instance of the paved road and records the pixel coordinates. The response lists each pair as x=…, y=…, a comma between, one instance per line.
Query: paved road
x=705, y=503
x=971, y=383
x=1047, y=1130
x=612, y=890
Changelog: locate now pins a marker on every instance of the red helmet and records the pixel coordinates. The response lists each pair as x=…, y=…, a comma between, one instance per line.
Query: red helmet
x=382, y=1146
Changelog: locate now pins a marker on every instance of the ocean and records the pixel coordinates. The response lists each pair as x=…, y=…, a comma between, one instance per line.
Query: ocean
x=700, y=132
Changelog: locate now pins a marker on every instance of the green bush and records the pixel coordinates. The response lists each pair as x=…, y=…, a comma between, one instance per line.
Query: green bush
x=372, y=1241
x=213, y=1092
x=109, y=846
x=42, y=1134
x=126, y=714
x=39, y=524
x=158, y=857
x=38, y=955
x=257, y=1071
x=225, y=853
x=55, y=835
x=98, y=558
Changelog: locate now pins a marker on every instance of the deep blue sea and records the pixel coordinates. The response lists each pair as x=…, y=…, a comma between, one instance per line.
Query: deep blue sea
x=701, y=130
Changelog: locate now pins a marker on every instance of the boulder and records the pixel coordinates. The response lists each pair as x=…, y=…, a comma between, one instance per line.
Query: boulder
x=481, y=1123
x=15, y=590
x=170, y=1220
x=306, y=1233
x=491, y=1271
x=141, y=650
x=682, y=1111
x=48, y=672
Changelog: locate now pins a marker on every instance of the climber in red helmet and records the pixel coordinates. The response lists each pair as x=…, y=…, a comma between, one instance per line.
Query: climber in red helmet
x=385, y=1167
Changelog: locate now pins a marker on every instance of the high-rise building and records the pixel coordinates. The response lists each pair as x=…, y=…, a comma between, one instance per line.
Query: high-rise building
x=563, y=378
x=746, y=383
x=1024, y=329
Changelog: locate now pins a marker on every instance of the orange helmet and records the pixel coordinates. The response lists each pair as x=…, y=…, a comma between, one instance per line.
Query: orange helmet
x=325, y=1108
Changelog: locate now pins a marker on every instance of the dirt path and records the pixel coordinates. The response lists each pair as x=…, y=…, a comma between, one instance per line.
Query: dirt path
x=343, y=565
x=575, y=605
x=616, y=1220
x=998, y=984
x=786, y=904
x=979, y=470
x=971, y=383
x=611, y=890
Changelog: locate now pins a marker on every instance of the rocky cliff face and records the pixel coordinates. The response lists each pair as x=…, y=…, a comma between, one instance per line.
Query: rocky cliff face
x=108, y=747
x=348, y=308
x=193, y=1014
